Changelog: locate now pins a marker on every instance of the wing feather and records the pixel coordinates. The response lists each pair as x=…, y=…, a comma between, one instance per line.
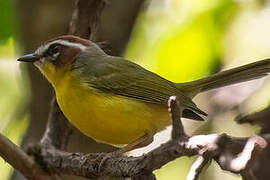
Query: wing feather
x=122, y=77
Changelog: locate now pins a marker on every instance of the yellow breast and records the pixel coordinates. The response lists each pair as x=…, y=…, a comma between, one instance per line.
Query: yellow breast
x=108, y=118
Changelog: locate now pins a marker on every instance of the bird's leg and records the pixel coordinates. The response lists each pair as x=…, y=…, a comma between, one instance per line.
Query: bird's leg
x=138, y=143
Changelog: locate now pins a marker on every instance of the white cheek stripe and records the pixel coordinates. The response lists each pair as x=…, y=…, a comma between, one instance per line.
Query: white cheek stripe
x=62, y=42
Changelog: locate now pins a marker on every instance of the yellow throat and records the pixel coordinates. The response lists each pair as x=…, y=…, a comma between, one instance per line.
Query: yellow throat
x=107, y=118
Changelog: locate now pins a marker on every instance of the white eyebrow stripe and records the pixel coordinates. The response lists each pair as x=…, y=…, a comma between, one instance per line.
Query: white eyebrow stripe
x=70, y=44
x=42, y=49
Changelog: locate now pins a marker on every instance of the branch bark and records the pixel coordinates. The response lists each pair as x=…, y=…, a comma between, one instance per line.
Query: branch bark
x=86, y=18
x=21, y=161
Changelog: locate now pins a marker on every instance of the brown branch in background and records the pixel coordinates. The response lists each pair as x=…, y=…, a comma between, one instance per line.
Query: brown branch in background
x=261, y=118
x=222, y=148
x=117, y=22
x=86, y=18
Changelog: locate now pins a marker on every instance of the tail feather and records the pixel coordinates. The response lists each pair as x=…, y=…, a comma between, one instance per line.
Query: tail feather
x=240, y=74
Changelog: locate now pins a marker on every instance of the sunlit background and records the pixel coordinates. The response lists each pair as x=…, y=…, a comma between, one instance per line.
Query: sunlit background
x=180, y=40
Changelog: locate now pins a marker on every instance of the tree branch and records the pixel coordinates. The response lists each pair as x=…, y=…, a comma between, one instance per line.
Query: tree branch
x=220, y=147
x=21, y=161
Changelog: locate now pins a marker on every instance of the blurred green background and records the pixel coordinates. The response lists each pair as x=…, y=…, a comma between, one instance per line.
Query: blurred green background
x=180, y=40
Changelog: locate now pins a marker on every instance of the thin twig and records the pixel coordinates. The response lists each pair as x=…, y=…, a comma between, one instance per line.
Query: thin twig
x=197, y=168
x=176, y=114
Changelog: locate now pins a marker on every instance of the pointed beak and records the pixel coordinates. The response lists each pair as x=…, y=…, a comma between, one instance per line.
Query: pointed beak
x=29, y=58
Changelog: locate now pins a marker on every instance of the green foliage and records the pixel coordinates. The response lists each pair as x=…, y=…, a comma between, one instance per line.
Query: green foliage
x=186, y=49
x=7, y=49
x=6, y=20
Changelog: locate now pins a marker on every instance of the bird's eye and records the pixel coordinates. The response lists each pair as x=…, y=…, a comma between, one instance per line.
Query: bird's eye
x=53, y=49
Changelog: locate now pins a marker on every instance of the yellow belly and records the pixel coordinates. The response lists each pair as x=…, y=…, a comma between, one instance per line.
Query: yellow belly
x=107, y=118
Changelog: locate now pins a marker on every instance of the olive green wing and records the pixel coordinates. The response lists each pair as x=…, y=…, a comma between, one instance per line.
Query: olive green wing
x=122, y=77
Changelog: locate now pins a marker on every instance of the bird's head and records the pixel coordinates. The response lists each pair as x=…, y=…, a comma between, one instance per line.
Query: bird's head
x=58, y=55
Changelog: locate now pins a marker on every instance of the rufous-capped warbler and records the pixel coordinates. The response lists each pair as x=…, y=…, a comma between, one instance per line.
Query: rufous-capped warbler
x=116, y=101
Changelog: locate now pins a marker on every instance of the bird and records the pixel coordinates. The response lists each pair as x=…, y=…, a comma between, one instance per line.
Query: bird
x=116, y=101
